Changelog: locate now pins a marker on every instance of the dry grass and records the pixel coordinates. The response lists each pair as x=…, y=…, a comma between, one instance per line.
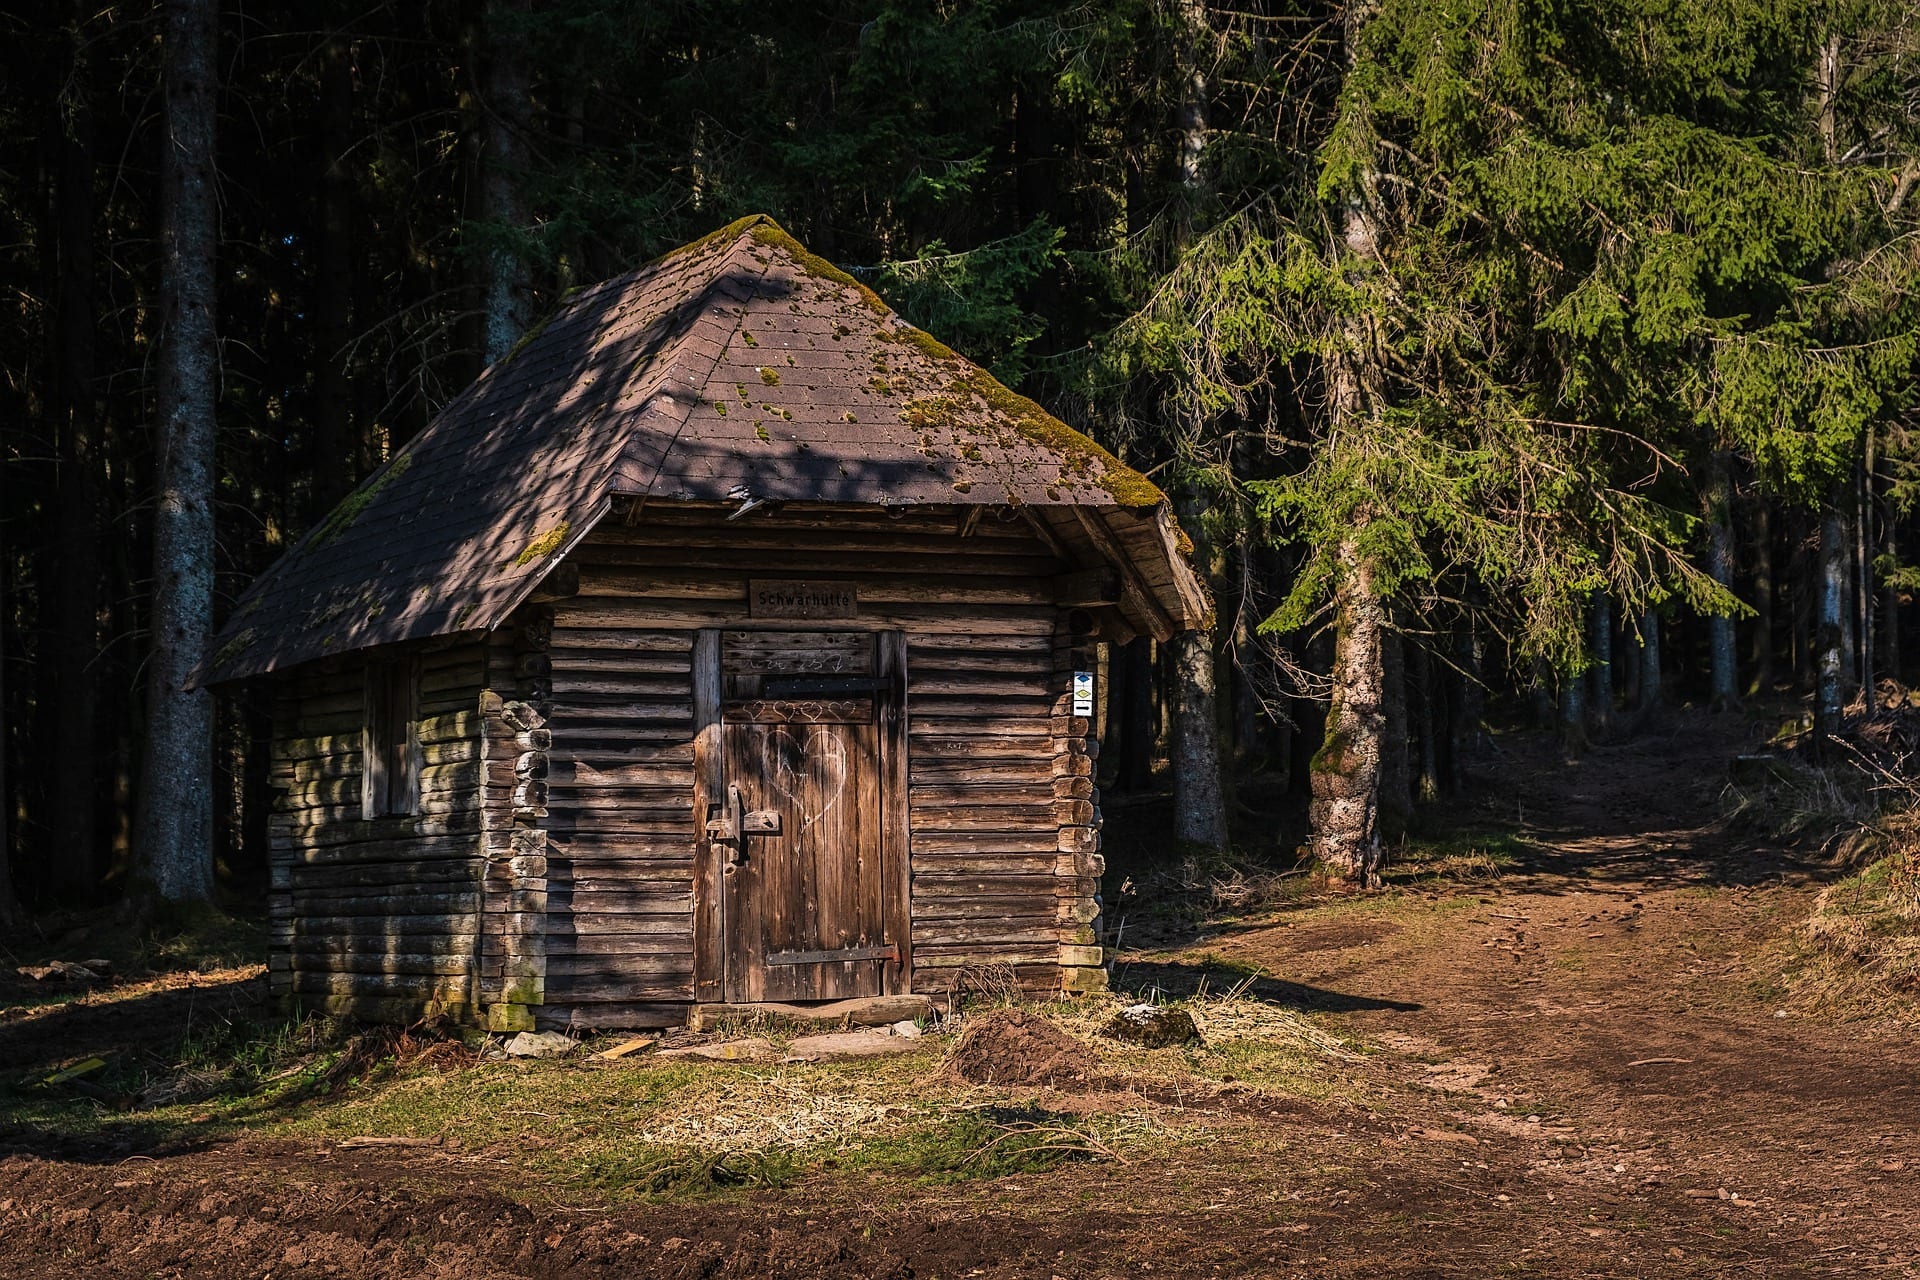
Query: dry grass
x=790, y=1110
x=1872, y=919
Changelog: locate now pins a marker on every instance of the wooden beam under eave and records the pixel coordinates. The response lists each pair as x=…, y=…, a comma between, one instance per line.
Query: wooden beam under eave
x=1135, y=590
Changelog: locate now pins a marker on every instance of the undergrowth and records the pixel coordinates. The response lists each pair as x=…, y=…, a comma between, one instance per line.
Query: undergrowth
x=1858, y=952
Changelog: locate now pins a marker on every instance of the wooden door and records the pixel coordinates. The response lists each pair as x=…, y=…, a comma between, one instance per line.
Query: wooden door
x=807, y=817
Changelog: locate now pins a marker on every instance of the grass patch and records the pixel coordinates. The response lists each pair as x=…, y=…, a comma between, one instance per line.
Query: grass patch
x=1467, y=858
x=984, y=1142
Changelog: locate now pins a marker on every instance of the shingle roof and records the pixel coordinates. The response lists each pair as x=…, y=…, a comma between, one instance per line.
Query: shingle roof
x=740, y=365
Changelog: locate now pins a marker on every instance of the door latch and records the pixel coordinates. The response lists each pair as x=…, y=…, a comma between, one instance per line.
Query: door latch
x=736, y=822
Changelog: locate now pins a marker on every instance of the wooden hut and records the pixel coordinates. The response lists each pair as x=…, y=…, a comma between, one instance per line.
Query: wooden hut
x=725, y=643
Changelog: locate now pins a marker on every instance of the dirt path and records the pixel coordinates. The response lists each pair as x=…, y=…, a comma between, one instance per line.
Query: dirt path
x=1582, y=1074
x=1606, y=1008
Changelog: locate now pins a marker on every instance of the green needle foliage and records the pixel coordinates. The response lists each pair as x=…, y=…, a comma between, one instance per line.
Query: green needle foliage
x=1606, y=240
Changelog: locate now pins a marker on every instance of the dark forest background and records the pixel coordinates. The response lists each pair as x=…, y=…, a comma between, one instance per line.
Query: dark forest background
x=1559, y=359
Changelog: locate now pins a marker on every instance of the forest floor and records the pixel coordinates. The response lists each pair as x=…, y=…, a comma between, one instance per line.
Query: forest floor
x=1577, y=1038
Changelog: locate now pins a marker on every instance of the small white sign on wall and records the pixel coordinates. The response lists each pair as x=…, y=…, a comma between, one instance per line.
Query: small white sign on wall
x=1083, y=693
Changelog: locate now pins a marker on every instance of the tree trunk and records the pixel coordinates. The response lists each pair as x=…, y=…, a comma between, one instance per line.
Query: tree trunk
x=1469, y=701
x=1803, y=591
x=1425, y=715
x=175, y=826
x=1199, y=800
x=1137, y=724
x=1573, y=711
x=1722, y=653
x=9, y=901
x=335, y=451
x=1199, y=796
x=1600, y=678
x=1199, y=803
x=1829, y=655
x=1890, y=596
x=1345, y=810
x=1863, y=574
x=73, y=799
x=1762, y=595
x=506, y=115
x=1396, y=774
x=1650, y=673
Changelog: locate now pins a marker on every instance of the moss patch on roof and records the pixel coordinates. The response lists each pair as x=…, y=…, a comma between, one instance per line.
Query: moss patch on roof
x=737, y=227
x=768, y=232
x=1080, y=454
x=544, y=544
x=926, y=343
x=342, y=517
x=235, y=647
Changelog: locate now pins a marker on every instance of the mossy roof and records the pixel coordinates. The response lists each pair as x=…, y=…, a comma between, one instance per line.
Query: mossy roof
x=739, y=365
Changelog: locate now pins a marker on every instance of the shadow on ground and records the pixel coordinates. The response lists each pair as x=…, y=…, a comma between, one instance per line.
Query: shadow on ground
x=1180, y=981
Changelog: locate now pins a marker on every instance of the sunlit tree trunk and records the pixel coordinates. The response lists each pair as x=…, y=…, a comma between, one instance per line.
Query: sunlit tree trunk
x=175, y=825
x=1345, y=809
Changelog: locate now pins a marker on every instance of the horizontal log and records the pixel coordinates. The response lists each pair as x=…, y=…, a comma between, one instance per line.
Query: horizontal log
x=989, y=864
x=612, y=1016
x=941, y=974
x=632, y=959
x=676, y=985
x=571, y=685
x=570, y=635
x=1023, y=930
x=400, y=965
x=966, y=953
x=371, y=930
x=929, y=886
x=1045, y=840
x=405, y=898
x=951, y=619
x=1034, y=814
x=1011, y=771
x=899, y=558
x=671, y=774
x=1064, y=912
x=401, y=872
x=446, y=988
x=337, y=841
x=583, y=923
x=401, y=1010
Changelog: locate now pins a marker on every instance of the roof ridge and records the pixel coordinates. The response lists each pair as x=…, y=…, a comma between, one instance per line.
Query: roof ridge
x=700, y=315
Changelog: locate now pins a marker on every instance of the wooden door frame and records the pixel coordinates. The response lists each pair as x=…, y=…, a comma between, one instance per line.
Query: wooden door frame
x=709, y=785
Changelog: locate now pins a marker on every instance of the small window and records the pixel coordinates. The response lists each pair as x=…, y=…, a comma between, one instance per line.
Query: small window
x=390, y=739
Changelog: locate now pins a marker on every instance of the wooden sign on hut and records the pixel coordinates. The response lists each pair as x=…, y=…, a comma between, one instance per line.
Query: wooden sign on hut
x=718, y=646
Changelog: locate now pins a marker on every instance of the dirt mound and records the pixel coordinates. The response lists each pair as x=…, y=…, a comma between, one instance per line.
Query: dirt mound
x=1017, y=1047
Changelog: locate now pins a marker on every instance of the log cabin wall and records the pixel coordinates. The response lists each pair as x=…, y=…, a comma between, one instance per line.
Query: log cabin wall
x=1003, y=818
x=377, y=918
